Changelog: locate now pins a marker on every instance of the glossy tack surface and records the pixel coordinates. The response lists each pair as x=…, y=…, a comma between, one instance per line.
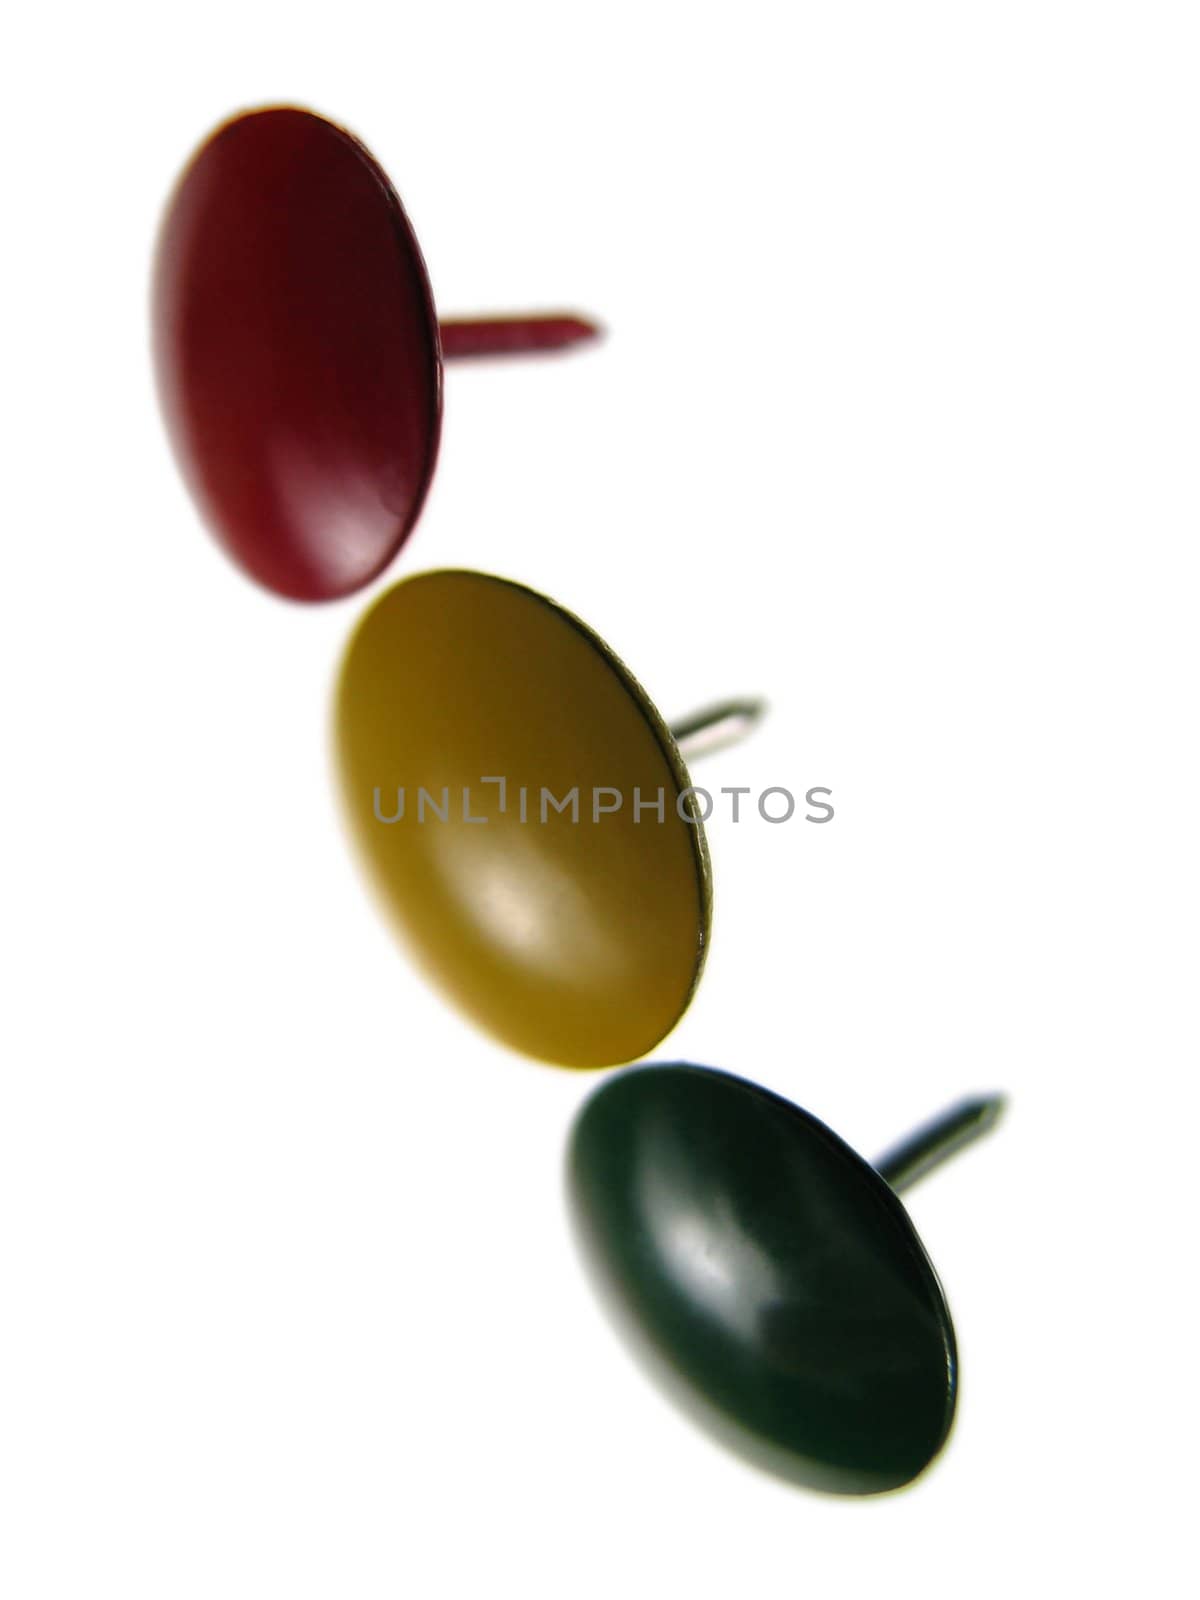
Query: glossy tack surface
x=768, y=1273
x=297, y=352
x=578, y=942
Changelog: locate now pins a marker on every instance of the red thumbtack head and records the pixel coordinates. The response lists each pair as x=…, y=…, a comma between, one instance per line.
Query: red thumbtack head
x=298, y=353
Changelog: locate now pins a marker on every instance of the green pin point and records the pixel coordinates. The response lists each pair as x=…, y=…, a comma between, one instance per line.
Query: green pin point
x=768, y=1275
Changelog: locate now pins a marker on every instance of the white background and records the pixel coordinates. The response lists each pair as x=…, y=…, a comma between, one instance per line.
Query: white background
x=897, y=423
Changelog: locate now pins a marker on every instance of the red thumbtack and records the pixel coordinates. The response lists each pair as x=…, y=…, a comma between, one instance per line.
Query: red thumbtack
x=299, y=355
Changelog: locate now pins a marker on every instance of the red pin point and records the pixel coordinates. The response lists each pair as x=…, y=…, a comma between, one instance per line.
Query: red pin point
x=298, y=353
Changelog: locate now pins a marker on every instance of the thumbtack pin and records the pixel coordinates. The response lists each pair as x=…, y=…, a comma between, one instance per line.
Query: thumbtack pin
x=716, y=727
x=769, y=1277
x=298, y=353
x=936, y=1141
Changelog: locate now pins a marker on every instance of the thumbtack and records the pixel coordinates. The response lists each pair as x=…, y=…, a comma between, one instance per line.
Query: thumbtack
x=767, y=1276
x=525, y=815
x=298, y=353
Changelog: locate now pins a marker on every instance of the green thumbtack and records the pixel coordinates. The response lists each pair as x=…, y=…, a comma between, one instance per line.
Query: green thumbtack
x=768, y=1274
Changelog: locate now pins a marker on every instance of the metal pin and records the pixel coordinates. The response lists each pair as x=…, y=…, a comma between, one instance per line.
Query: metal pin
x=936, y=1141
x=523, y=334
x=717, y=726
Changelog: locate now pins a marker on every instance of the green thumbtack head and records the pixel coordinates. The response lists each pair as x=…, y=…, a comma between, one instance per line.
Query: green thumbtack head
x=768, y=1274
